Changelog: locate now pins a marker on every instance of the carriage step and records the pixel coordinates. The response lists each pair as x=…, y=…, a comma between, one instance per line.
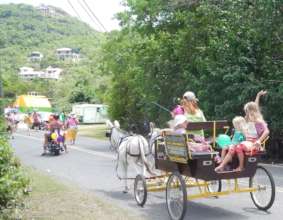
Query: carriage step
x=229, y=171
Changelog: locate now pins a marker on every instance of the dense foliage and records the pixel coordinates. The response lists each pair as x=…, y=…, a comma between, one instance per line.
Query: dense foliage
x=23, y=29
x=225, y=51
x=13, y=180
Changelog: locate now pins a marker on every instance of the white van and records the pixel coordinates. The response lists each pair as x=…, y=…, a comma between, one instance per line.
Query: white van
x=91, y=113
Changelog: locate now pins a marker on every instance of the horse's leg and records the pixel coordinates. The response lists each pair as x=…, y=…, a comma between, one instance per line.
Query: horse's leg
x=125, y=168
x=124, y=165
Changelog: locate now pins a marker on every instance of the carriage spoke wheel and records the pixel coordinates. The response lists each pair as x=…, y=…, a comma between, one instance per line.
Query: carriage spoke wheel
x=176, y=196
x=140, y=190
x=263, y=182
x=214, y=186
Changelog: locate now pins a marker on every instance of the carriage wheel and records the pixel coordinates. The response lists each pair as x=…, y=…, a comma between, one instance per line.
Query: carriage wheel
x=214, y=186
x=140, y=190
x=176, y=196
x=264, y=195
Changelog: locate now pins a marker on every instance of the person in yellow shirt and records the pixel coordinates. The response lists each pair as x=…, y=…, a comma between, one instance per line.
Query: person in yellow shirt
x=28, y=121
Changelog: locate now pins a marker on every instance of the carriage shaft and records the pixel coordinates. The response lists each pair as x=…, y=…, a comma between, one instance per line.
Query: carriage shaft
x=207, y=194
x=157, y=187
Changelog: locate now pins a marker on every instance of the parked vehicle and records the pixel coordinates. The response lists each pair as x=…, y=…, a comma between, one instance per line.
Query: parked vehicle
x=91, y=113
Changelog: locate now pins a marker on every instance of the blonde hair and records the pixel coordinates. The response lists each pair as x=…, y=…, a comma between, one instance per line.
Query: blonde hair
x=240, y=123
x=253, y=113
x=190, y=107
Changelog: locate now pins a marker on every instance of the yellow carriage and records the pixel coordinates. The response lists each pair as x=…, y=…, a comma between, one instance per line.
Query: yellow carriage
x=192, y=175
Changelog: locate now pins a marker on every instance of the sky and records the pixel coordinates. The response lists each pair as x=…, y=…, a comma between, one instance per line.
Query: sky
x=104, y=10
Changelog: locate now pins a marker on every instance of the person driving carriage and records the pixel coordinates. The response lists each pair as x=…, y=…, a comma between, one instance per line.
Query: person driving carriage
x=53, y=125
x=190, y=109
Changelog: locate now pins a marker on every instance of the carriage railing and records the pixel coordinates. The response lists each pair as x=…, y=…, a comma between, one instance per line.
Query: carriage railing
x=263, y=143
x=178, y=145
x=209, y=125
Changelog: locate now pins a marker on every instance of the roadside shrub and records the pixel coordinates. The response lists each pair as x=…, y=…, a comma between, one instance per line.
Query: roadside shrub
x=2, y=125
x=13, y=180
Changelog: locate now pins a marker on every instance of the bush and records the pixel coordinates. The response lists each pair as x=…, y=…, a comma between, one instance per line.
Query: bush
x=13, y=181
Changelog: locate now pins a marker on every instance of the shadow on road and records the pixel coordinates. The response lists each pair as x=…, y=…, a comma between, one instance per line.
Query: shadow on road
x=155, y=208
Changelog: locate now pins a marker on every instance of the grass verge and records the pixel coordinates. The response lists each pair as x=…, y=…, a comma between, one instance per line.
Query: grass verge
x=96, y=131
x=51, y=199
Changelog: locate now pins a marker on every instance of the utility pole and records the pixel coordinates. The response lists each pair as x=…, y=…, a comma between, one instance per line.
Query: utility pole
x=1, y=92
x=1, y=96
x=1, y=87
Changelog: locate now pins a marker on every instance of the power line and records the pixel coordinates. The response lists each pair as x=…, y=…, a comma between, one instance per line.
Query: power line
x=79, y=16
x=74, y=10
x=87, y=13
x=96, y=18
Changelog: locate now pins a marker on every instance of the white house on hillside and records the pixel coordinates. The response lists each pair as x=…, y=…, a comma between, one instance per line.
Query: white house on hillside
x=28, y=73
x=67, y=53
x=52, y=73
x=46, y=10
x=35, y=56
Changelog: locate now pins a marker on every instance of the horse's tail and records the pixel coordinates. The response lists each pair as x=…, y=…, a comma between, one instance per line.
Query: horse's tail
x=143, y=157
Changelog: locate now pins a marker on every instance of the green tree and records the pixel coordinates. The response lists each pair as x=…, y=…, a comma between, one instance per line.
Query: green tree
x=225, y=51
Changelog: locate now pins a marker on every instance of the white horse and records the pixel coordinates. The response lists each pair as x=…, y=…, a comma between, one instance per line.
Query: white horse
x=131, y=148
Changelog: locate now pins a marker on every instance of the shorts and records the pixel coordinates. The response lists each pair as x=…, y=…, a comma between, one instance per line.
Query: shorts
x=243, y=147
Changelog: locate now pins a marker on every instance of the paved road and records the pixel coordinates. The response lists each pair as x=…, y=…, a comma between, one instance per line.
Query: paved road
x=91, y=165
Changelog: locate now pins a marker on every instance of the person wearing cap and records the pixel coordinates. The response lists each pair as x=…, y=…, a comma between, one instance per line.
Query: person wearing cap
x=192, y=111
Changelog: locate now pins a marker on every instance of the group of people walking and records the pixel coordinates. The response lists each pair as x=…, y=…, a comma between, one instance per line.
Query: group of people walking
x=250, y=131
x=67, y=124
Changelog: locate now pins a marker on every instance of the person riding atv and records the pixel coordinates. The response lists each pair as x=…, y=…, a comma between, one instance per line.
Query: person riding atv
x=54, y=126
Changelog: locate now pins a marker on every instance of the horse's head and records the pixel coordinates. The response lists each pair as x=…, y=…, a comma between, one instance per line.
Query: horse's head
x=109, y=124
x=115, y=134
x=116, y=124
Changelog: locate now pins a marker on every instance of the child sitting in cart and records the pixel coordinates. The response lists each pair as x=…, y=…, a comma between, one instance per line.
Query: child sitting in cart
x=225, y=142
x=255, y=131
x=181, y=124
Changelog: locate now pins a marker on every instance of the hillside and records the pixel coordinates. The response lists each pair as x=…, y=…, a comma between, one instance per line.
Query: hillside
x=26, y=26
x=24, y=29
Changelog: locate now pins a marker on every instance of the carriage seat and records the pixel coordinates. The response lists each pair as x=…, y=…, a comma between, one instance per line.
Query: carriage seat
x=179, y=148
